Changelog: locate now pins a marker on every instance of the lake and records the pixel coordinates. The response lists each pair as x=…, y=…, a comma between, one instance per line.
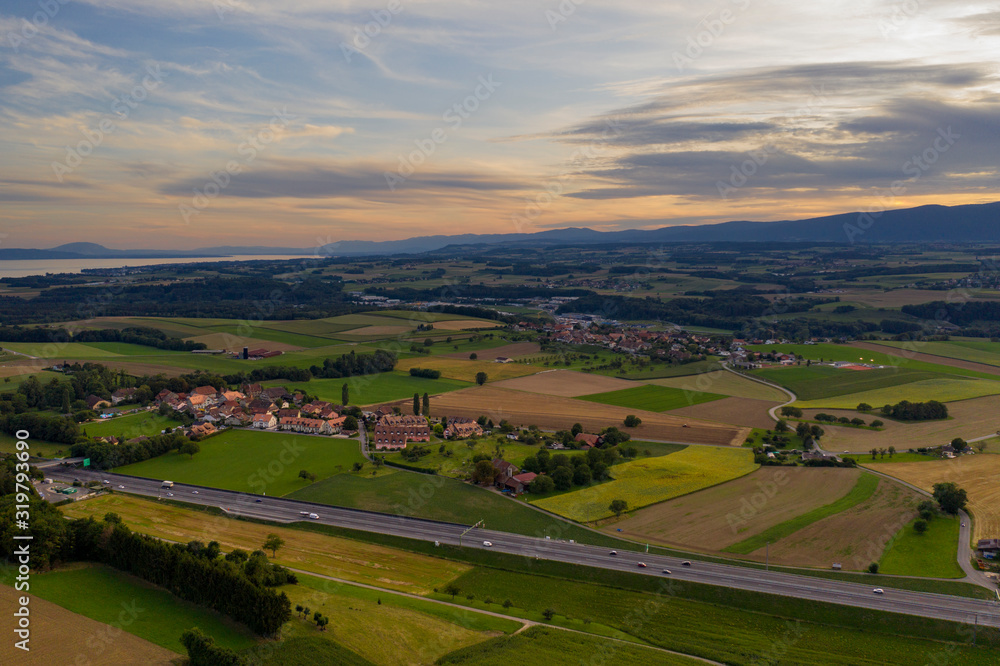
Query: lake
x=24, y=268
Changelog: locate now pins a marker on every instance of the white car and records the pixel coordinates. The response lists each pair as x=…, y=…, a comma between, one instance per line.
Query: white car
x=170, y=494
x=122, y=487
x=488, y=544
x=878, y=590
x=686, y=563
x=303, y=513
x=314, y=516
x=105, y=482
x=666, y=571
x=194, y=492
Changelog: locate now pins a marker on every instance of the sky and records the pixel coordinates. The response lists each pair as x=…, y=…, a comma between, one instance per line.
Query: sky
x=192, y=123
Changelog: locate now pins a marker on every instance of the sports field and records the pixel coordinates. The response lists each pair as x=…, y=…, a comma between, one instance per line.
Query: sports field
x=253, y=461
x=653, y=398
x=557, y=413
x=651, y=480
x=133, y=425
x=309, y=551
x=722, y=515
x=977, y=474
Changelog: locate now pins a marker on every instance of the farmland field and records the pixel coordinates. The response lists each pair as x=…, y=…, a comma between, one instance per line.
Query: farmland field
x=977, y=355
x=942, y=389
x=929, y=554
x=466, y=370
x=864, y=487
x=100, y=593
x=133, y=425
x=651, y=480
x=726, y=383
x=233, y=342
x=556, y=413
x=653, y=398
x=510, y=350
x=566, y=383
x=73, y=631
x=373, y=389
x=734, y=411
x=437, y=498
x=37, y=448
x=326, y=555
x=253, y=461
x=390, y=629
x=459, y=464
x=818, y=382
x=854, y=537
x=977, y=474
x=722, y=515
x=553, y=646
x=62, y=350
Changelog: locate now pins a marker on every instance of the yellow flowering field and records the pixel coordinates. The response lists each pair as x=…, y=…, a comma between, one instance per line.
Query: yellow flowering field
x=650, y=480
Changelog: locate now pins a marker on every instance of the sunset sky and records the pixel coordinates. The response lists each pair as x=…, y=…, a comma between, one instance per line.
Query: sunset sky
x=190, y=123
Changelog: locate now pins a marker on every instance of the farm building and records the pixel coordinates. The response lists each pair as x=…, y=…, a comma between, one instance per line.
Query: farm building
x=392, y=432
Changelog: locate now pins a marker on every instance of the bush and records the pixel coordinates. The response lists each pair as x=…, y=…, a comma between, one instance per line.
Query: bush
x=427, y=373
x=202, y=650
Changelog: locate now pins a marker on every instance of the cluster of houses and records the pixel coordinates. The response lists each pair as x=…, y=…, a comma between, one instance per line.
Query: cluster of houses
x=509, y=478
x=677, y=345
x=254, y=406
x=392, y=431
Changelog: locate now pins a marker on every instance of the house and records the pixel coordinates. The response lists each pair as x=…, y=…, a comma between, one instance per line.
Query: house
x=318, y=408
x=587, y=440
x=202, y=430
x=462, y=428
x=237, y=419
x=287, y=413
x=275, y=393
x=300, y=424
x=232, y=396
x=505, y=470
x=165, y=396
x=816, y=455
x=988, y=548
x=251, y=390
x=197, y=401
x=122, y=395
x=392, y=432
x=95, y=402
x=518, y=483
x=334, y=425
x=264, y=420
x=261, y=405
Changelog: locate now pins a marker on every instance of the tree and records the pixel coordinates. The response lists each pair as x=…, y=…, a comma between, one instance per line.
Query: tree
x=548, y=614
x=416, y=404
x=350, y=423
x=189, y=448
x=484, y=472
x=345, y=394
x=481, y=378
x=452, y=589
x=631, y=421
x=307, y=475
x=892, y=451
x=802, y=429
x=541, y=485
x=920, y=526
x=298, y=609
x=618, y=507
x=563, y=478
x=507, y=603
x=959, y=444
x=576, y=429
x=794, y=412
x=873, y=568
x=981, y=446
x=781, y=426
x=876, y=424
x=237, y=556
x=473, y=356
x=950, y=497
x=864, y=407
x=272, y=543
x=426, y=405
x=582, y=475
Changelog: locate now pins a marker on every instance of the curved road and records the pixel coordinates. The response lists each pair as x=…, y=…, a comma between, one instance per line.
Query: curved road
x=956, y=609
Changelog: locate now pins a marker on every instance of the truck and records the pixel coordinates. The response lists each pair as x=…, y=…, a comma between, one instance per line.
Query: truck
x=167, y=484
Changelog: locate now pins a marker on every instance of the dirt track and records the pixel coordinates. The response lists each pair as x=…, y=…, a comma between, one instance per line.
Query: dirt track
x=557, y=413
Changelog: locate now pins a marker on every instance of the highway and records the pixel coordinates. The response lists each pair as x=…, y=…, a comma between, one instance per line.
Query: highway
x=939, y=606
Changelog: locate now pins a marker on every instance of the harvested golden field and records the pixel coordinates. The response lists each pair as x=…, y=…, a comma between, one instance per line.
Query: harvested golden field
x=735, y=411
x=855, y=537
x=650, y=480
x=556, y=413
x=60, y=636
x=970, y=419
x=237, y=342
x=465, y=324
x=22, y=368
x=717, y=517
x=466, y=370
x=331, y=556
x=979, y=475
x=567, y=383
x=724, y=382
x=513, y=350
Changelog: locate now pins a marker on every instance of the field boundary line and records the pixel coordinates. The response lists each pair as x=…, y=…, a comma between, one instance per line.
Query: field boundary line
x=773, y=412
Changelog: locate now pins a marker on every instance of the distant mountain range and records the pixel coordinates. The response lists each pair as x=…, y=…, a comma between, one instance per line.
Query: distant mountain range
x=974, y=223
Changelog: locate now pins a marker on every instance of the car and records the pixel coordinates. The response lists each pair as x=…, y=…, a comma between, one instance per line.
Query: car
x=642, y=565
x=548, y=538
x=614, y=552
x=666, y=571
x=194, y=492
x=963, y=524
x=170, y=494
x=122, y=487
x=258, y=500
x=488, y=544
x=106, y=482
x=314, y=516
x=878, y=590
x=303, y=513
x=686, y=563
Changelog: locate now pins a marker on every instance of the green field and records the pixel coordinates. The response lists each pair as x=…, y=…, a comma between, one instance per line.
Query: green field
x=372, y=389
x=554, y=646
x=315, y=650
x=440, y=498
x=977, y=351
x=132, y=425
x=931, y=554
x=653, y=398
x=823, y=381
x=661, y=370
x=259, y=332
x=62, y=350
x=942, y=389
x=129, y=349
x=252, y=461
x=101, y=593
x=724, y=625
x=863, y=489
x=36, y=448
